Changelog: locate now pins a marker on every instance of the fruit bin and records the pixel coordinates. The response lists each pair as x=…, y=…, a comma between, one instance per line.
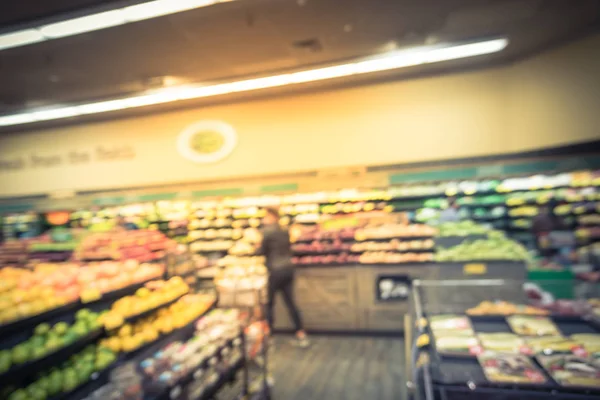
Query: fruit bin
x=482, y=269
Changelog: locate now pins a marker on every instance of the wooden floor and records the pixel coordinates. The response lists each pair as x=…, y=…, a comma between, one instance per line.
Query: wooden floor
x=338, y=367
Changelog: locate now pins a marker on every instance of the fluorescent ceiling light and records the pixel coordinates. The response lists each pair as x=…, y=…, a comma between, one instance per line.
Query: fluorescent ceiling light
x=88, y=23
x=103, y=106
x=16, y=119
x=158, y=8
x=391, y=61
x=466, y=50
x=55, y=113
x=20, y=38
x=101, y=20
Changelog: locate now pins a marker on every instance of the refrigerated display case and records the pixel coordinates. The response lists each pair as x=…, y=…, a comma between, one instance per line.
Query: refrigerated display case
x=471, y=368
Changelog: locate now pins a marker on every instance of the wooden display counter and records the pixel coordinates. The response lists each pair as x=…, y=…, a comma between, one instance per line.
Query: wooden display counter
x=373, y=298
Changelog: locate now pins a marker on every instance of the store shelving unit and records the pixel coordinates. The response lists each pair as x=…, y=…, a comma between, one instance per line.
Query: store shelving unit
x=435, y=376
x=21, y=374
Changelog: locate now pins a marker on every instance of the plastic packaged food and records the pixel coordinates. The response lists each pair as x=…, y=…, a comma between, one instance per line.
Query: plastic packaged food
x=590, y=342
x=501, y=342
x=570, y=370
x=532, y=326
x=457, y=345
x=510, y=368
x=552, y=344
x=504, y=308
x=450, y=322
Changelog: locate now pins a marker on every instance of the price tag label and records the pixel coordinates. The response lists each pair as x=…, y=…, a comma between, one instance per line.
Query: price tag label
x=474, y=269
x=175, y=392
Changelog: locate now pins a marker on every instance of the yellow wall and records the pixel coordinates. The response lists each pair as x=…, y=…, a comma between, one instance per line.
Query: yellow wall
x=555, y=98
x=532, y=104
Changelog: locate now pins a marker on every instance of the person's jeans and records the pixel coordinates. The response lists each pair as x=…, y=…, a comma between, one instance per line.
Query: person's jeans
x=282, y=280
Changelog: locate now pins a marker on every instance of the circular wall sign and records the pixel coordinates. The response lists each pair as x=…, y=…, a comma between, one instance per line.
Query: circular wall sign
x=207, y=141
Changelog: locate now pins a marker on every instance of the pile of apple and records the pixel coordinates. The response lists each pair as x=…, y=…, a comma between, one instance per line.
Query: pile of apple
x=142, y=246
x=130, y=337
x=24, y=294
x=393, y=245
x=356, y=207
x=327, y=259
x=312, y=234
x=320, y=247
x=151, y=296
x=386, y=257
x=72, y=374
x=497, y=247
x=48, y=339
x=391, y=231
x=90, y=281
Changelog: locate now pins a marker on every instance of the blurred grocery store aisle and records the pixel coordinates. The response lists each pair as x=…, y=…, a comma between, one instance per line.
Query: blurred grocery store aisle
x=338, y=367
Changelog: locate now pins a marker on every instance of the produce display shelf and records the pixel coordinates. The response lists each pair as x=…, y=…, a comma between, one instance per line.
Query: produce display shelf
x=210, y=251
x=211, y=228
x=363, y=264
x=352, y=239
x=97, y=380
x=211, y=240
x=146, y=313
x=21, y=372
x=400, y=238
x=117, y=294
x=30, y=322
x=306, y=240
x=481, y=261
x=226, y=377
x=463, y=375
x=166, y=392
x=430, y=250
x=150, y=348
x=328, y=252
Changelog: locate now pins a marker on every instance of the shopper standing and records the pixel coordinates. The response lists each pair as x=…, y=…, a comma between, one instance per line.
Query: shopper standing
x=544, y=223
x=276, y=248
x=450, y=214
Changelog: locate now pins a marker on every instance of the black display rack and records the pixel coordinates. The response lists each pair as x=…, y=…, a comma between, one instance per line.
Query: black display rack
x=20, y=375
x=436, y=376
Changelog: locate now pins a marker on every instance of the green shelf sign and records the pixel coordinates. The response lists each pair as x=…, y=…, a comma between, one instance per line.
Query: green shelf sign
x=218, y=192
x=284, y=187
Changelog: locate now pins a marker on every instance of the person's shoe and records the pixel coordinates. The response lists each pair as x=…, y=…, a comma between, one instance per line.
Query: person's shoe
x=301, y=342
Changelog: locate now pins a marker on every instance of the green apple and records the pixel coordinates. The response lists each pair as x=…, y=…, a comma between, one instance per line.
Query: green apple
x=82, y=314
x=42, y=329
x=20, y=394
x=60, y=328
x=55, y=382
x=5, y=361
x=79, y=328
x=20, y=353
x=54, y=343
x=38, y=352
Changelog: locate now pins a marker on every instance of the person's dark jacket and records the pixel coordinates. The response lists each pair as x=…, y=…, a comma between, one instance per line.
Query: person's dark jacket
x=276, y=247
